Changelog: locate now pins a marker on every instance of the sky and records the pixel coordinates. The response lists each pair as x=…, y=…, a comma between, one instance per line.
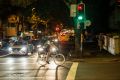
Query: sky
x=97, y=11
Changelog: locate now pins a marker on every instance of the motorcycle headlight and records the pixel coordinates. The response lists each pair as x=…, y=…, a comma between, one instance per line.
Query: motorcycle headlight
x=23, y=49
x=53, y=49
x=38, y=45
x=40, y=49
x=9, y=49
x=55, y=40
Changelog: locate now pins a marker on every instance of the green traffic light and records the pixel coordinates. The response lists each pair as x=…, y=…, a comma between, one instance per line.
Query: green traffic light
x=80, y=17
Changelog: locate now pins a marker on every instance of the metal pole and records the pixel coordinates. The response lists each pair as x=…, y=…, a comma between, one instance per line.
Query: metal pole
x=81, y=32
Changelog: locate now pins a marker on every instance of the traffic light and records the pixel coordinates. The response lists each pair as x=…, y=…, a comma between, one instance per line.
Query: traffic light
x=80, y=11
x=57, y=29
x=80, y=7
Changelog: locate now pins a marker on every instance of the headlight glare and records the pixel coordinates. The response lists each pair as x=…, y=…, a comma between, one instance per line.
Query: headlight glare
x=53, y=49
x=55, y=40
x=40, y=49
x=9, y=49
x=38, y=45
x=23, y=49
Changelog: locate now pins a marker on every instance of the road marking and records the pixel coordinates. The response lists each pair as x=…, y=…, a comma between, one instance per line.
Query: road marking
x=72, y=72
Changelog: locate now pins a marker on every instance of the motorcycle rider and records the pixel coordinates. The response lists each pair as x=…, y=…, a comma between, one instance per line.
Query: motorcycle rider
x=48, y=48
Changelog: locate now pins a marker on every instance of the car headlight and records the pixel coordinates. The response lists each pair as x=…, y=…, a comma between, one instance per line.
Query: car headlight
x=23, y=49
x=0, y=42
x=9, y=49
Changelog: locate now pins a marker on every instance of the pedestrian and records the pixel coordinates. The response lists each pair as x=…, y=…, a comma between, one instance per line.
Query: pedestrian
x=100, y=41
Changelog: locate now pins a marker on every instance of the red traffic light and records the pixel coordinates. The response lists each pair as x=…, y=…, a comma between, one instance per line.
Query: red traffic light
x=57, y=29
x=80, y=7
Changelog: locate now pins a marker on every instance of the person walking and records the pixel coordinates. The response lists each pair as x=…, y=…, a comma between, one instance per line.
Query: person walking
x=100, y=41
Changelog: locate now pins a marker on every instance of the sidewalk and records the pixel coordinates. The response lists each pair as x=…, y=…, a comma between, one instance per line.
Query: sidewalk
x=91, y=53
x=99, y=58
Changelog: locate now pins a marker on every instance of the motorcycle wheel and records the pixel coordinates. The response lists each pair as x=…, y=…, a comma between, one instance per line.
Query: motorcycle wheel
x=41, y=59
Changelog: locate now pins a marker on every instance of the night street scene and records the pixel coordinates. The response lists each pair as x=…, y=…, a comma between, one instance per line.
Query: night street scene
x=59, y=39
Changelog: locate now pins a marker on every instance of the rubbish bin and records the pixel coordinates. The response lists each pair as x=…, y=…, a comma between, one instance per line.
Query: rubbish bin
x=114, y=45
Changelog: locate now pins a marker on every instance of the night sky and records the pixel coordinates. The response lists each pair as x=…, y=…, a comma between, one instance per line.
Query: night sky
x=96, y=10
x=57, y=9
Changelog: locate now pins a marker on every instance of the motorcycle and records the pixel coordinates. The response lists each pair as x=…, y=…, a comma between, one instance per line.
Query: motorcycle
x=49, y=51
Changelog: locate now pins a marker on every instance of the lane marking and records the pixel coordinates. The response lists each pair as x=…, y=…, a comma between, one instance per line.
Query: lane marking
x=72, y=72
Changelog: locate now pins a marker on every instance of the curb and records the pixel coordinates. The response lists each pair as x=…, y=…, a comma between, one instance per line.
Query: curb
x=97, y=60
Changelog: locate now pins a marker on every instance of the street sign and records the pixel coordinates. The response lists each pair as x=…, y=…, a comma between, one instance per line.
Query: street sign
x=73, y=10
x=87, y=23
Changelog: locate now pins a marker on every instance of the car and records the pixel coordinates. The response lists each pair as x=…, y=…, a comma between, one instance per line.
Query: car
x=3, y=47
x=21, y=48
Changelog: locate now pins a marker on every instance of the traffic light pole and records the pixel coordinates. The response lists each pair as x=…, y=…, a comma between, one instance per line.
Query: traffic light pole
x=80, y=20
x=79, y=39
x=79, y=25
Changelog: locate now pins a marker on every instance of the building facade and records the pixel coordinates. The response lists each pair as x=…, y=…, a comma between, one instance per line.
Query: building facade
x=114, y=19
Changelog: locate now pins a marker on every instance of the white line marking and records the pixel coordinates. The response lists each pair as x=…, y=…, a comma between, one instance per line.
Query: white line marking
x=72, y=72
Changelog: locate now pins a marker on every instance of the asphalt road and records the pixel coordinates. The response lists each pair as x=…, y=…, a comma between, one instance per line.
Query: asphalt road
x=26, y=68
x=93, y=66
x=98, y=71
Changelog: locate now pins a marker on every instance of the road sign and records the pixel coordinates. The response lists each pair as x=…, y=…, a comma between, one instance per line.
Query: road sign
x=73, y=10
x=87, y=23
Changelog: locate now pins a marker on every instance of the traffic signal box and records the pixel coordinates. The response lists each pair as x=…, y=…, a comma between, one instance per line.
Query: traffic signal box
x=80, y=12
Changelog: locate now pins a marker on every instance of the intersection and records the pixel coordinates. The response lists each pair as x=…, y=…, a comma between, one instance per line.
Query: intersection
x=26, y=68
